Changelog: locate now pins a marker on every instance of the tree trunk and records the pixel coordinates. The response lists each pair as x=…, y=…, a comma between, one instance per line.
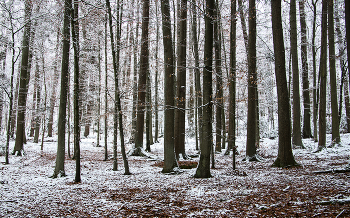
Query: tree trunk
x=76, y=46
x=156, y=116
x=118, y=112
x=144, y=67
x=323, y=81
x=333, y=76
x=305, y=72
x=197, y=82
x=347, y=23
x=203, y=169
x=285, y=155
x=180, y=112
x=219, y=91
x=232, y=87
x=38, y=98
x=252, y=85
x=59, y=168
x=296, y=137
x=23, y=89
x=315, y=89
x=106, y=93
x=170, y=163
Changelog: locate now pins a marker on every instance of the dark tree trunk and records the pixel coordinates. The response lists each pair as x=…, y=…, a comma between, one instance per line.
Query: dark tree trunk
x=144, y=67
x=347, y=23
x=252, y=85
x=170, y=163
x=333, y=76
x=106, y=93
x=59, y=168
x=305, y=73
x=156, y=116
x=219, y=91
x=232, y=106
x=323, y=80
x=23, y=88
x=315, y=89
x=296, y=136
x=285, y=155
x=38, y=98
x=75, y=38
x=203, y=169
x=179, y=129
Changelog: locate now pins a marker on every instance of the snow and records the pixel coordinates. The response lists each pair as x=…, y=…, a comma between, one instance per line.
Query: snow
x=26, y=189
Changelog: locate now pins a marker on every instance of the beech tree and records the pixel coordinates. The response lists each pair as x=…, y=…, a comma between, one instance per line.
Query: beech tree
x=285, y=155
x=170, y=164
x=60, y=157
x=203, y=169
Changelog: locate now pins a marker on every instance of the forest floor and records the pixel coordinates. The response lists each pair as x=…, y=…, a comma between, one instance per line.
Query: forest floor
x=255, y=189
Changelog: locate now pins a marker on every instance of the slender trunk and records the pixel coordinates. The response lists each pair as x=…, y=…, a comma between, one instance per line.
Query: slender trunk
x=296, y=136
x=156, y=131
x=305, y=73
x=23, y=88
x=106, y=92
x=203, y=169
x=179, y=128
x=59, y=168
x=38, y=98
x=315, y=87
x=323, y=81
x=170, y=163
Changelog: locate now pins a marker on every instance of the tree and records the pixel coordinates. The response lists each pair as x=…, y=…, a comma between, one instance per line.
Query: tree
x=75, y=38
x=333, y=75
x=296, y=137
x=106, y=92
x=232, y=107
x=315, y=89
x=323, y=79
x=59, y=168
x=23, y=90
x=117, y=110
x=285, y=156
x=347, y=23
x=203, y=169
x=305, y=73
x=252, y=85
x=179, y=128
x=144, y=67
x=170, y=164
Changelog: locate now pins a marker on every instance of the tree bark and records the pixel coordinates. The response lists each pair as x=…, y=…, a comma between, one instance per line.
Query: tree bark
x=305, y=73
x=23, y=89
x=252, y=85
x=285, y=156
x=59, y=168
x=106, y=93
x=144, y=67
x=180, y=112
x=170, y=163
x=76, y=47
x=315, y=89
x=203, y=169
x=296, y=136
x=323, y=79
x=333, y=76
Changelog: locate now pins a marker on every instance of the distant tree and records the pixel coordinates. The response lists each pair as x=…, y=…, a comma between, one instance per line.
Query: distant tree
x=296, y=137
x=23, y=89
x=179, y=128
x=203, y=169
x=333, y=75
x=59, y=168
x=285, y=155
x=170, y=164
x=305, y=72
x=323, y=79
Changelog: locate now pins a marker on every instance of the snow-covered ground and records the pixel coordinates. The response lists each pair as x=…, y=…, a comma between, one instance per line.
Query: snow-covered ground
x=253, y=190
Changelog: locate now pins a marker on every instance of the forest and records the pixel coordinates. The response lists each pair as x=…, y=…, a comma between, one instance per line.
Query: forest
x=112, y=108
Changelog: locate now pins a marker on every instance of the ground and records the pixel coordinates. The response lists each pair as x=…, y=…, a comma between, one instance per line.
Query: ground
x=254, y=190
